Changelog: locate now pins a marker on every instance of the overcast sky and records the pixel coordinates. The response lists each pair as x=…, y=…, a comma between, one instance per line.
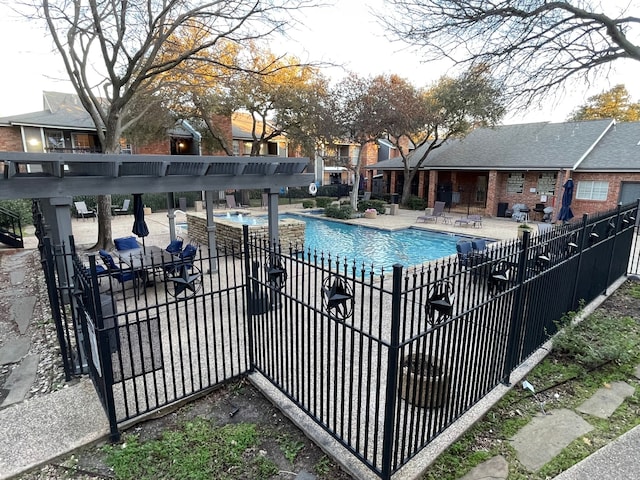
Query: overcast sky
x=345, y=34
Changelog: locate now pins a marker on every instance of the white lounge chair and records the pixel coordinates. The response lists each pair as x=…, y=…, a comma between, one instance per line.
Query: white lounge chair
x=123, y=210
x=82, y=211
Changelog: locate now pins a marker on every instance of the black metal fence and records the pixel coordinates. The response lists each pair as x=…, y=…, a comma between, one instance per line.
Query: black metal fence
x=383, y=361
x=150, y=332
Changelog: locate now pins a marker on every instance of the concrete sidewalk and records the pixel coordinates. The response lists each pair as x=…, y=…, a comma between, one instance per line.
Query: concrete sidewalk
x=37, y=431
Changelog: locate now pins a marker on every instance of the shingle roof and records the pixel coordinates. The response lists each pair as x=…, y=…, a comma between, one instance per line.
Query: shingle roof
x=530, y=146
x=619, y=150
x=60, y=110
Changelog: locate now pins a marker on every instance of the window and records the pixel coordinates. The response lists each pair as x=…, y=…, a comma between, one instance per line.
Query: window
x=55, y=140
x=592, y=190
x=547, y=183
x=515, y=183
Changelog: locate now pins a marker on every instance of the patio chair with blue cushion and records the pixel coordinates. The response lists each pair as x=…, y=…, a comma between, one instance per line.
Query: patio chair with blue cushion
x=126, y=243
x=479, y=245
x=464, y=248
x=469, y=258
x=120, y=274
x=175, y=246
x=183, y=261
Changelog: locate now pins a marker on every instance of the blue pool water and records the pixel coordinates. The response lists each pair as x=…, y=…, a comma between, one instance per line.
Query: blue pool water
x=380, y=248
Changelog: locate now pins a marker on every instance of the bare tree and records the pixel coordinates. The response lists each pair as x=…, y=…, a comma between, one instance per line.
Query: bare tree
x=112, y=52
x=534, y=46
x=360, y=113
x=425, y=119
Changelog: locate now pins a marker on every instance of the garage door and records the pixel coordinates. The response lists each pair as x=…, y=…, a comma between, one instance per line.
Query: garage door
x=630, y=192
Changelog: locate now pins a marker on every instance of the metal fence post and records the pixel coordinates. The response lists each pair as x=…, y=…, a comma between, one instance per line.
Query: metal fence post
x=47, y=261
x=616, y=232
x=104, y=350
x=583, y=241
x=392, y=375
x=515, y=325
x=248, y=296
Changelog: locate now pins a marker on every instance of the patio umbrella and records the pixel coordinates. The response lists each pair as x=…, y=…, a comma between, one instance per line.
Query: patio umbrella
x=140, y=228
x=565, y=211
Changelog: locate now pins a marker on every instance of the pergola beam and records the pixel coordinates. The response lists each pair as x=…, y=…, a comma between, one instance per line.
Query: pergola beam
x=46, y=175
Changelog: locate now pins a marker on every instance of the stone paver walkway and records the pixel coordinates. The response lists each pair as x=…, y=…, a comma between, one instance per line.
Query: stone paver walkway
x=538, y=442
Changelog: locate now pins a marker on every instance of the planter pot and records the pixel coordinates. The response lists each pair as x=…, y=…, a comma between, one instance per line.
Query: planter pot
x=423, y=382
x=370, y=214
x=522, y=230
x=147, y=211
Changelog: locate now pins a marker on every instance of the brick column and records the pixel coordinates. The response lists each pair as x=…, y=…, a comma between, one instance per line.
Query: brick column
x=491, y=208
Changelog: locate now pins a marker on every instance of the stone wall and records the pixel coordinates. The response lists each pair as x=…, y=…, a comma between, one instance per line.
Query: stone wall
x=229, y=233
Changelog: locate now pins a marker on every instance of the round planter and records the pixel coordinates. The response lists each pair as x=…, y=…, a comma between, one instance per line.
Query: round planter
x=522, y=230
x=370, y=214
x=147, y=210
x=423, y=382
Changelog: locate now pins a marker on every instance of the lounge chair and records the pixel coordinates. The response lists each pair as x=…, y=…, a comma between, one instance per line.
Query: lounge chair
x=438, y=212
x=123, y=210
x=82, y=211
x=231, y=202
x=476, y=220
x=473, y=220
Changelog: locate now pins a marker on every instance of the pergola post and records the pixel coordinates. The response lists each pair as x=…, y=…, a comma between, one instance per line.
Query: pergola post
x=211, y=231
x=57, y=214
x=171, y=215
x=272, y=204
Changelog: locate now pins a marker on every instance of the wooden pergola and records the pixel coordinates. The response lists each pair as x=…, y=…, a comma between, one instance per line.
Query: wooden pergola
x=54, y=178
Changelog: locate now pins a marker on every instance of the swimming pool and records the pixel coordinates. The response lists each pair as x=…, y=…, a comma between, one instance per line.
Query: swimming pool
x=380, y=248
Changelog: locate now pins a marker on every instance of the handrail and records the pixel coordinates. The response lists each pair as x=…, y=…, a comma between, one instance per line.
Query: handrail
x=10, y=228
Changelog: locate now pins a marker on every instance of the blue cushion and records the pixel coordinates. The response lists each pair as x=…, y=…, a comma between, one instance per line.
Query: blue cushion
x=107, y=259
x=174, y=247
x=189, y=251
x=126, y=243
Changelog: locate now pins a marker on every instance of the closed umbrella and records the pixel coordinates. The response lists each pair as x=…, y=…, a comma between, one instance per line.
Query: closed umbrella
x=565, y=211
x=140, y=228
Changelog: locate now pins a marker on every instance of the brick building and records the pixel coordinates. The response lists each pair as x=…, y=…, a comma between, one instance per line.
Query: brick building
x=493, y=168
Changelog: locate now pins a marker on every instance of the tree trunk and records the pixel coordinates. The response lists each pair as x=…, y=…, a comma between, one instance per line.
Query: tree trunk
x=105, y=235
x=406, y=188
x=356, y=180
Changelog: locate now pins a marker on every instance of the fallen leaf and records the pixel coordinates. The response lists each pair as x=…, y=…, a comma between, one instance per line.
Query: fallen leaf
x=586, y=440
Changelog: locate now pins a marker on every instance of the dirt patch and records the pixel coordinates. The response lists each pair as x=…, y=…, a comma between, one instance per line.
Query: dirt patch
x=235, y=403
x=624, y=302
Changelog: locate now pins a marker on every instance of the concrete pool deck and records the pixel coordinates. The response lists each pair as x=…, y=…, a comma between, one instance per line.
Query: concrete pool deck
x=85, y=230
